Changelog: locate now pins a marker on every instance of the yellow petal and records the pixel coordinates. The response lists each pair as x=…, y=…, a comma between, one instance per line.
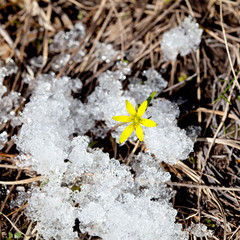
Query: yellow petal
x=131, y=110
x=139, y=132
x=142, y=109
x=148, y=123
x=126, y=133
x=122, y=118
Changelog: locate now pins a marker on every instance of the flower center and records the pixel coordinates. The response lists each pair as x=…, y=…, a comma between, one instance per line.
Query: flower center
x=136, y=120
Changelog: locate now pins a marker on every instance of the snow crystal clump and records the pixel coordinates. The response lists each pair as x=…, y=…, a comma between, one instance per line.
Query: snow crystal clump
x=62, y=59
x=6, y=70
x=52, y=208
x=71, y=39
x=108, y=203
x=7, y=106
x=3, y=139
x=36, y=62
x=122, y=70
x=200, y=230
x=22, y=196
x=48, y=105
x=167, y=141
x=182, y=39
x=85, y=184
x=155, y=80
x=112, y=205
x=78, y=57
x=9, y=102
x=150, y=177
x=99, y=132
x=140, y=90
x=106, y=52
x=193, y=132
x=108, y=100
x=75, y=84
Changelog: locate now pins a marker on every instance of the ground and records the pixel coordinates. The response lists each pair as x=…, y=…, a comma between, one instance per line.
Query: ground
x=207, y=183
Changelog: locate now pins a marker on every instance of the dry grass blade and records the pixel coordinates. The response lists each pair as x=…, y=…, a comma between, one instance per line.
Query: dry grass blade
x=189, y=185
x=13, y=225
x=206, y=183
x=25, y=181
x=228, y=142
x=226, y=44
x=220, y=113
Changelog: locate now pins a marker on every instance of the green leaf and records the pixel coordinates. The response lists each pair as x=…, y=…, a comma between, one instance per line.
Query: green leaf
x=17, y=235
x=137, y=106
x=44, y=183
x=226, y=99
x=191, y=160
x=10, y=236
x=229, y=85
x=80, y=15
x=208, y=221
x=75, y=188
x=222, y=80
x=91, y=144
x=150, y=98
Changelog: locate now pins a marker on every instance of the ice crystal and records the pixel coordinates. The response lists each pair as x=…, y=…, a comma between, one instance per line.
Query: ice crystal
x=3, y=139
x=7, y=106
x=182, y=39
x=154, y=80
x=6, y=70
x=22, y=196
x=9, y=102
x=48, y=104
x=108, y=100
x=75, y=84
x=140, y=90
x=105, y=52
x=99, y=131
x=193, y=132
x=123, y=69
x=71, y=39
x=200, y=230
x=167, y=135
x=85, y=184
x=110, y=200
x=78, y=57
x=150, y=177
x=60, y=61
x=56, y=218
x=36, y=62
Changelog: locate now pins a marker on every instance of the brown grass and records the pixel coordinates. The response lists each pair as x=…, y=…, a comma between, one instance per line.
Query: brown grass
x=207, y=183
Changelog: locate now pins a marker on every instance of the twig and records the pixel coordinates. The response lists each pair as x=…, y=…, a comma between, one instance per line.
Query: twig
x=133, y=151
x=229, y=142
x=121, y=29
x=189, y=185
x=24, y=181
x=226, y=45
x=14, y=226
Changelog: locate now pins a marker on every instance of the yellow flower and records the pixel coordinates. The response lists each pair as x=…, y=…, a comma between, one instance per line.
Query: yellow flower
x=136, y=120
